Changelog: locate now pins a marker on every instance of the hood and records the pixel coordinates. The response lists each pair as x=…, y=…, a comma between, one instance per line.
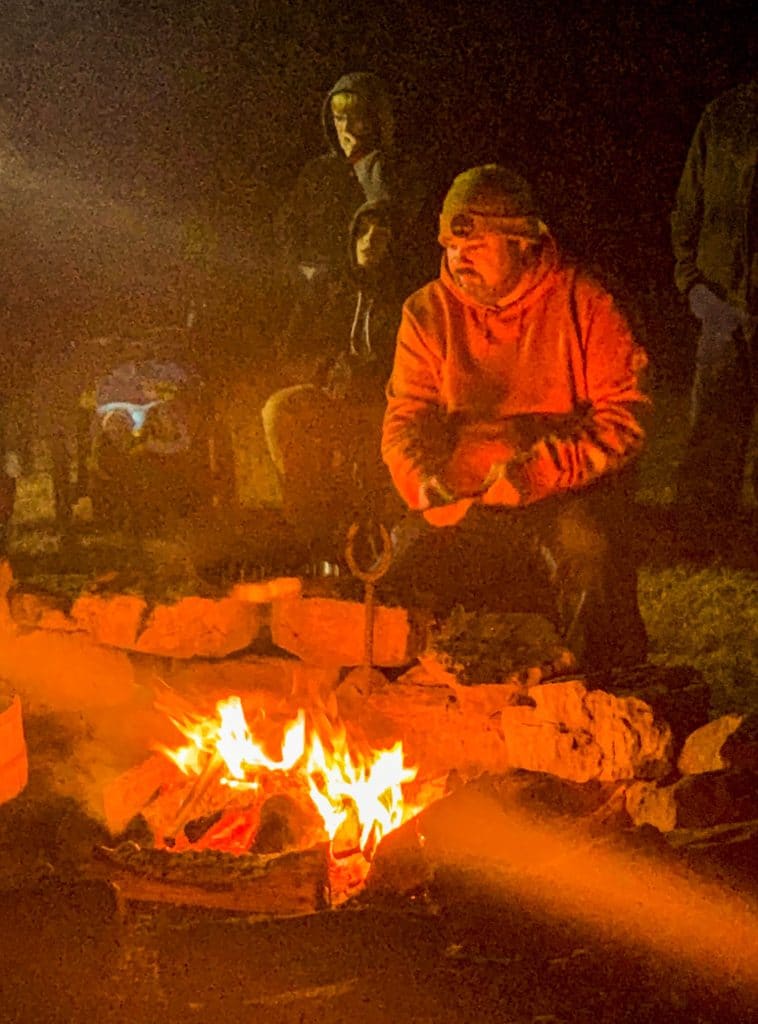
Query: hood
x=384, y=209
x=374, y=91
x=530, y=287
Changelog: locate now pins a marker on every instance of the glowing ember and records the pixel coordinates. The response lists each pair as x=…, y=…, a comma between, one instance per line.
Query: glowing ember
x=347, y=786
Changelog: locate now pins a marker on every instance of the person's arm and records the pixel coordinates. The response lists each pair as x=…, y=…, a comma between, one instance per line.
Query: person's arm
x=411, y=445
x=374, y=177
x=687, y=215
x=601, y=438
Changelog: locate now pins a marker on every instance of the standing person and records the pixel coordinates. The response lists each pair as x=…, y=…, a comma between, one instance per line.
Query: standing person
x=512, y=424
x=714, y=230
x=361, y=165
x=324, y=433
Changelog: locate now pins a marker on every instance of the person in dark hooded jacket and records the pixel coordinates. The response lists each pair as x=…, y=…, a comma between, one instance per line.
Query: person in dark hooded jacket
x=360, y=166
x=714, y=233
x=323, y=434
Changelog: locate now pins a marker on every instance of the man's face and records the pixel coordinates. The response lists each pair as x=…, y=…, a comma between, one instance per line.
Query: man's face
x=372, y=242
x=488, y=266
x=354, y=124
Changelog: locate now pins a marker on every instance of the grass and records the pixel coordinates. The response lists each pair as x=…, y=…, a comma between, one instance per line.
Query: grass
x=707, y=618
x=700, y=609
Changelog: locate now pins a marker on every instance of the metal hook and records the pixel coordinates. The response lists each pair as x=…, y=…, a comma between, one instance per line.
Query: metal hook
x=380, y=566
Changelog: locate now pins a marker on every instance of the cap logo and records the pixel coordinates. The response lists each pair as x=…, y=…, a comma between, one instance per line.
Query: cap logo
x=461, y=225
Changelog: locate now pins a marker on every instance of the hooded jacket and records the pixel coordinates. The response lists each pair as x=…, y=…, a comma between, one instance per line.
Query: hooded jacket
x=713, y=228
x=330, y=188
x=548, y=382
x=349, y=327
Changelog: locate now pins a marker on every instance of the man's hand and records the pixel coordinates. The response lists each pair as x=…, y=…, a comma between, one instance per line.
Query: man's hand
x=433, y=493
x=710, y=309
x=439, y=506
x=448, y=515
x=498, y=489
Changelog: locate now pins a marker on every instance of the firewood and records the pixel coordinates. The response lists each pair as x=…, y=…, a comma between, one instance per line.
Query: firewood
x=283, y=886
x=232, y=832
x=288, y=821
x=207, y=777
x=348, y=835
x=130, y=793
x=346, y=877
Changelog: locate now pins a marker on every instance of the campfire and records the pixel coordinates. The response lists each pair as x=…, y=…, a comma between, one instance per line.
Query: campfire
x=282, y=815
x=319, y=782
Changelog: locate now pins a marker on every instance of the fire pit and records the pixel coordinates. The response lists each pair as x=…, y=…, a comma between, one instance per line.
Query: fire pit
x=255, y=814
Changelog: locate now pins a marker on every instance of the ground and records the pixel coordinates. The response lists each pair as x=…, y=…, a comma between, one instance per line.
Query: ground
x=65, y=958
x=475, y=945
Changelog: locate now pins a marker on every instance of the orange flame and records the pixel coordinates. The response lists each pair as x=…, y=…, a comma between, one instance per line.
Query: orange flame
x=340, y=780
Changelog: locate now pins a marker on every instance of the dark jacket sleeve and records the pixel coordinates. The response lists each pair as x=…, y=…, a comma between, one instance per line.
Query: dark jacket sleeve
x=687, y=216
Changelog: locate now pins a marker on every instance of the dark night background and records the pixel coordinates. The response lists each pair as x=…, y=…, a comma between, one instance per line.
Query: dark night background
x=142, y=129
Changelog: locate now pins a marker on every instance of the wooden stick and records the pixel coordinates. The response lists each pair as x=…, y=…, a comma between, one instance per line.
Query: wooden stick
x=197, y=791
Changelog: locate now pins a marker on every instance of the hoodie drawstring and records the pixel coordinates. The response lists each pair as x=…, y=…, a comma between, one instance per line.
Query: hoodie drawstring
x=360, y=333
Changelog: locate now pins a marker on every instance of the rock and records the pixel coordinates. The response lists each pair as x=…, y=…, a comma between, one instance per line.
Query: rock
x=288, y=822
x=401, y=864
x=200, y=627
x=114, y=620
x=14, y=765
x=678, y=694
x=726, y=853
x=40, y=611
x=329, y=631
x=562, y=729
x=65, y=671
x=549, y=796
x=268, y=591
x=355, y=688
x=409, y=857
x=740, y=749
x=695, y=801
x=580, y=734
x=438, y=730
x=702, y=748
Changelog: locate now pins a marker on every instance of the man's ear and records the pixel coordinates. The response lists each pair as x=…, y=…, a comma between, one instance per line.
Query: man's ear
x=530, y=252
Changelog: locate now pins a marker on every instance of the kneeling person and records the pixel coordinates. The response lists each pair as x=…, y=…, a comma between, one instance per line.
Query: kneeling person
x=512, y=422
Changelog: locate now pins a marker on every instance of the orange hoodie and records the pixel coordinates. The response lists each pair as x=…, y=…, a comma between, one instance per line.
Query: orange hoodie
x=547, y=381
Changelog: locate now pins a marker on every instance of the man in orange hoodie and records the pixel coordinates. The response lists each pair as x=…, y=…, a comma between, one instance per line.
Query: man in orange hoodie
x=512, y=423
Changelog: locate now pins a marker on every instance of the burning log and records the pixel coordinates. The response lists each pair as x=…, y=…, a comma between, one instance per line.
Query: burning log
x=196, y=792
x=347, y=875
x=287, y=885
x=232, y=813
x=288, y=823
x=131, y=792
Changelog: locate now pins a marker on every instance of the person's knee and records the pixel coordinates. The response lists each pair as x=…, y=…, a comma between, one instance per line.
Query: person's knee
x=580, y=539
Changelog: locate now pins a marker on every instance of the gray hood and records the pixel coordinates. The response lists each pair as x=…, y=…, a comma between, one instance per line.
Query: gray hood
x=373, y=90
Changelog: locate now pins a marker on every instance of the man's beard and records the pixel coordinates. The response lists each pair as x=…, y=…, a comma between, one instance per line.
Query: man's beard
x=471, y=282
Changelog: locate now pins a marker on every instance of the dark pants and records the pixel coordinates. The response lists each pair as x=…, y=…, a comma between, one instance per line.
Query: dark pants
x=722, y=408
x=7, y=499
x=326, y=452
x=568, y=558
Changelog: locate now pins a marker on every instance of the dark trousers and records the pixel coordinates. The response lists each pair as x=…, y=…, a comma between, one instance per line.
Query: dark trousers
x=326, y=452
x=569, y=558
x=722, y=408
x=7, y=499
